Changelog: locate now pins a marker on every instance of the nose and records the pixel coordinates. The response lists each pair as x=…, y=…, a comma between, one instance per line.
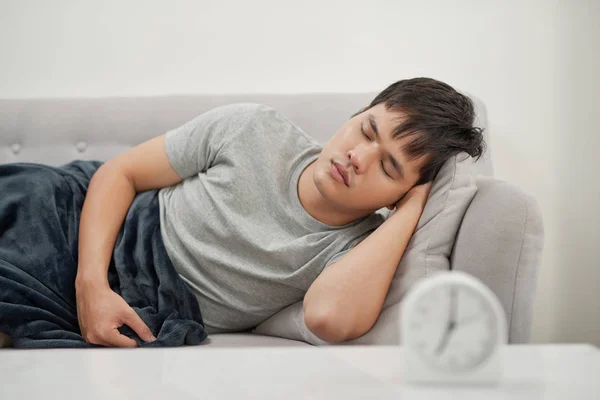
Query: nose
x=362, y=156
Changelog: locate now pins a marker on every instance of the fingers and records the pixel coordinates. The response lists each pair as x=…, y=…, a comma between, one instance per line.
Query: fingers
x=135, y=322
x=111, y=338
x=116, y=339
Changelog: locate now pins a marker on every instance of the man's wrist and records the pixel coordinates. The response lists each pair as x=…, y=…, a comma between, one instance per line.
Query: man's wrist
x=413, y=204
x=87, y=281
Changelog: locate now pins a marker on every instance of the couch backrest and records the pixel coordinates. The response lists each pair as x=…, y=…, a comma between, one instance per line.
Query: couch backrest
x=58, y=130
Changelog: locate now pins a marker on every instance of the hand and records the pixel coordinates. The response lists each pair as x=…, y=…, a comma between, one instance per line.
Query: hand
x=418, y=195
x=101, y=312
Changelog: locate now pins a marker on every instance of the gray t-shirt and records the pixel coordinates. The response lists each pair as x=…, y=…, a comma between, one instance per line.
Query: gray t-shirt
x=234, y=228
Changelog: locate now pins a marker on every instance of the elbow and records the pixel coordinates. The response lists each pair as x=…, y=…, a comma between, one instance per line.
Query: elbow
x=327, y=327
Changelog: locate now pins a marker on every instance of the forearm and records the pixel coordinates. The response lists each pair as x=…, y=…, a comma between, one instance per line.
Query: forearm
x=108, y=199
x=345, y=300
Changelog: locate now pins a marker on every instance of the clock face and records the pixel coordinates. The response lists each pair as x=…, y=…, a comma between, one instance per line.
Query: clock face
x=453, y=327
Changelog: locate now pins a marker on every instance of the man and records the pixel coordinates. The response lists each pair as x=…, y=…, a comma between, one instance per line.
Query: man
x=256, y=215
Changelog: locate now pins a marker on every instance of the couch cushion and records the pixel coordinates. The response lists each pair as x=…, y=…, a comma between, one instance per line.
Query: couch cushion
x=247, y=340
x=221, y=340
x=428, y=251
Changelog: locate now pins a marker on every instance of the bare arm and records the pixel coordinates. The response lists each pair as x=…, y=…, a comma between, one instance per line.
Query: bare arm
x=110, y=194
x=344, y=302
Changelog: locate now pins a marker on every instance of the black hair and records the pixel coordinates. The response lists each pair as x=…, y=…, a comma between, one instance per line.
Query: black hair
x=439, y=119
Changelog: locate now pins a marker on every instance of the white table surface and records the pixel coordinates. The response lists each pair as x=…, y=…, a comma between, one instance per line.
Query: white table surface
x=569, y=371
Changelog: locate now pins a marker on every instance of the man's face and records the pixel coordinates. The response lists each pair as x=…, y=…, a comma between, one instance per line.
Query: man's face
x=372, y=180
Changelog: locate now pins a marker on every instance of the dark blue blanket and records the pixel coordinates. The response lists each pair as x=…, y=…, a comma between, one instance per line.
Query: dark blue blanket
x=40, y=208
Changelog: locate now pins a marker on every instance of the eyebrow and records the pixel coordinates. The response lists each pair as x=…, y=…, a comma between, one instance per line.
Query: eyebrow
x=395, y=163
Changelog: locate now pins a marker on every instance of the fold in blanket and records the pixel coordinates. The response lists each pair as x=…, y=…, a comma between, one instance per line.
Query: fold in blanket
x=40, y=208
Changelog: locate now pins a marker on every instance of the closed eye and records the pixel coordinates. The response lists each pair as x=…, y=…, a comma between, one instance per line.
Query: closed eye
x=369, y=139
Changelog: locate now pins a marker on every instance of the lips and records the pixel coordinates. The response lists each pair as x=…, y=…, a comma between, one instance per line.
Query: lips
x=342, y=172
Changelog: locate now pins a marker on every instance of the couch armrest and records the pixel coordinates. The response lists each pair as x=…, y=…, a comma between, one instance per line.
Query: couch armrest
x=500, y=242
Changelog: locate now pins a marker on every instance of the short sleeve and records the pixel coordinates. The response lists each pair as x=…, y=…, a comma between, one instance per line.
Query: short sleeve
x=337, y=256
x=347, y=249
x=194, y=147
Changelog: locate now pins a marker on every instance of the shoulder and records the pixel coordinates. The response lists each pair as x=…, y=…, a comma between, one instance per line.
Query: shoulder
x=258, y=116
x=243, y=114
x=231, y=117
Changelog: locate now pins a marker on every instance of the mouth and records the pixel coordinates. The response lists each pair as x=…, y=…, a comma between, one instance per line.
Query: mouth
x=339, y=173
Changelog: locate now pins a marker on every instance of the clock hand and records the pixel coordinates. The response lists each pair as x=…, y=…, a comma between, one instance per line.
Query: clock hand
x=444, y=342
x=451, y=322
x=453, y=304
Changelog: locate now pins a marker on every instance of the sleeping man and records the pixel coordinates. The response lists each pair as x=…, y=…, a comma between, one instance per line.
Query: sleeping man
x=222, y=222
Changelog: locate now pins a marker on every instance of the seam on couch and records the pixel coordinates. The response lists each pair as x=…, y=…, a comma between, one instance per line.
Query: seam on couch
x=462, y=219
x=451, y=187
x=517, y=270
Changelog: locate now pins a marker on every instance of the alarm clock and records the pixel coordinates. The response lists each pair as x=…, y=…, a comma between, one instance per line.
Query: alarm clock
x=453, y=329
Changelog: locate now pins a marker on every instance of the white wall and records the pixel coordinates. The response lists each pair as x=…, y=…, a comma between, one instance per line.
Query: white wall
x=534, y=63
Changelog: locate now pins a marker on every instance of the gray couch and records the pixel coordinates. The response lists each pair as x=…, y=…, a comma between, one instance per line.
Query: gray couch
x=499, y=240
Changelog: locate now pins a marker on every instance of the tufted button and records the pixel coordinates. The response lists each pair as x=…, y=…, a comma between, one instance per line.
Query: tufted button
x=81, y=146
x=16, y=148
